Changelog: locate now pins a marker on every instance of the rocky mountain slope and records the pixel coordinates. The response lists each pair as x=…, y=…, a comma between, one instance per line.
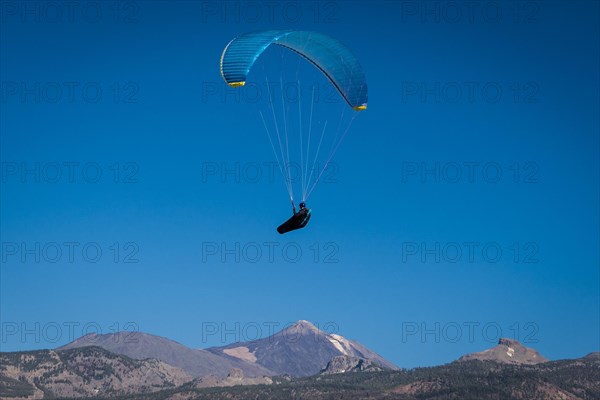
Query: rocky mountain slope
x=507, y=351
x=576, y=379
x=343, y=364
x=299, y=350
x=85, y=372
x=300, y=362
x=93, y=372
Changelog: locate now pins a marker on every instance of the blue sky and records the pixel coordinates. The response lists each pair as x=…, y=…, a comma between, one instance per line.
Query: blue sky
x=402, y=260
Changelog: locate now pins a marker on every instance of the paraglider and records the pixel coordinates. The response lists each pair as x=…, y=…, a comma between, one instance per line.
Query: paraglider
x=297, y=221
x=335, y=62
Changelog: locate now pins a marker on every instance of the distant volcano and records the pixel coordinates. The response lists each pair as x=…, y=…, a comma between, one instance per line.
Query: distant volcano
x=301, y=349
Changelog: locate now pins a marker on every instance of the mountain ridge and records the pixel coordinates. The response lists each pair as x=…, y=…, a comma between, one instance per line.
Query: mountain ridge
x=300, y=349
x=140, y=345
x=89, y=371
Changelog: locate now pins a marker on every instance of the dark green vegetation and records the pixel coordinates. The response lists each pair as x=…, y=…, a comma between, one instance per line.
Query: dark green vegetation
x=82, y=372
x=10, y=387
x=566, y=379
x=474, y=379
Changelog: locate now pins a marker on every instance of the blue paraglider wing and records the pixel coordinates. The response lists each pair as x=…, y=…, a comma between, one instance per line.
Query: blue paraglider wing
x=334, y=59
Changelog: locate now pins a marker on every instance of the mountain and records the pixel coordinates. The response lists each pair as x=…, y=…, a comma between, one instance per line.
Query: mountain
x=85, y=372
x=507, y=351
x=343, y=364
x=195, y=362
x=95, y=372
x=470, y=380
x=299, y=350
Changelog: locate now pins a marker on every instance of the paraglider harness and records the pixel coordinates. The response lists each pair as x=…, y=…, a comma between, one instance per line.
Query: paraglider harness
x=297, y=221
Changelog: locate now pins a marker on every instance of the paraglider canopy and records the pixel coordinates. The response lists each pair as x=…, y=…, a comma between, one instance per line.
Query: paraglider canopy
x=334, y=59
